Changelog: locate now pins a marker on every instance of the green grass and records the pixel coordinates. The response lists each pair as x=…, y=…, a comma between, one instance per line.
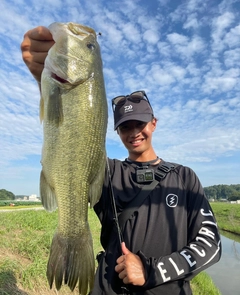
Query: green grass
x=25, y=239
x=202, y=284
x=20, y=207
x=228, y=216
x=26, y=236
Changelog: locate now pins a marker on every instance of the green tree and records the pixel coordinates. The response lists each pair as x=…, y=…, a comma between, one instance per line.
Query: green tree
x=236, y=187
x=210, y=192
x=234, y=196
x=226, y=191
x=6, y=195
x=221, y=191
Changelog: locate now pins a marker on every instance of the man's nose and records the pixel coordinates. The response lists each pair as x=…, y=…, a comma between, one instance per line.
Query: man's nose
x=134, y=132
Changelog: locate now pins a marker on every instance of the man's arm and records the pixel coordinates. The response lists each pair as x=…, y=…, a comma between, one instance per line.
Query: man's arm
x=202, y=250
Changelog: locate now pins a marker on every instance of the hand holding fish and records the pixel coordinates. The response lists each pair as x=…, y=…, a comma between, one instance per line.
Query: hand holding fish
x=35, y=46
x=130, y=268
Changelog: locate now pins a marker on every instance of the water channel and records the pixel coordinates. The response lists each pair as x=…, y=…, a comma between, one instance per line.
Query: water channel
x=226, y=273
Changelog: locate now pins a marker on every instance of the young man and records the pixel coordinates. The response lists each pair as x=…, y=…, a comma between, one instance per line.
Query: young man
x=172, y=235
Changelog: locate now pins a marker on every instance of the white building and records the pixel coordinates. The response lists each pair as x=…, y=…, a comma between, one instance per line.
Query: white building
x=33, y=198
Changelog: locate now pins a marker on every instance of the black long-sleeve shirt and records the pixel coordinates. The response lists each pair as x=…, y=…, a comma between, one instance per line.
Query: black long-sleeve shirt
x=174, y=232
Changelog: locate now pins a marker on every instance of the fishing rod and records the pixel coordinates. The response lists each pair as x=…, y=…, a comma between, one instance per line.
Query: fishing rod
x=115, y=215
x=125, y=291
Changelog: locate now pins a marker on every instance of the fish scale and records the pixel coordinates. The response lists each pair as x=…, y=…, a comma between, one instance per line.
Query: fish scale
x=73, y=109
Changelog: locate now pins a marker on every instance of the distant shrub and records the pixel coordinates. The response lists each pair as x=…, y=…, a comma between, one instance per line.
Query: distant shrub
x=18, y=203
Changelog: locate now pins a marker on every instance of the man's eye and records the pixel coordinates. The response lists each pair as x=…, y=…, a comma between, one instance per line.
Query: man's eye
x=123, y=127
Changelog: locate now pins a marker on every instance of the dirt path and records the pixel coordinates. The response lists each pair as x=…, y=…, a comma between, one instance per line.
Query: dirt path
x=21, y=209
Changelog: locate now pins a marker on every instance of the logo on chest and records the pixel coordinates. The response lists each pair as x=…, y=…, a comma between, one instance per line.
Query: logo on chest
x=172, y=200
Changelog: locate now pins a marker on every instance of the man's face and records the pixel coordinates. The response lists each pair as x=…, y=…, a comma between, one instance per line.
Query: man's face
x=137, y=135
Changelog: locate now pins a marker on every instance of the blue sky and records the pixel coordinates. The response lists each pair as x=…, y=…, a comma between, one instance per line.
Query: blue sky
x=184, y=54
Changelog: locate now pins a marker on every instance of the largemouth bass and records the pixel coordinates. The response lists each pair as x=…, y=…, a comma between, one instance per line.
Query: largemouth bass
x=73, y=109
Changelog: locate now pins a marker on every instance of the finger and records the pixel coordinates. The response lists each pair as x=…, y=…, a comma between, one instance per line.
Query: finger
x=40, y=46
x=36, y=45
x=120, y=259
x=35, y=63
x=119, y=268
x=39, y=33
x=37, y=40
x=125, y=250
x=126, y=280
x=36, y=69
x=37, y=57
x=123, y=276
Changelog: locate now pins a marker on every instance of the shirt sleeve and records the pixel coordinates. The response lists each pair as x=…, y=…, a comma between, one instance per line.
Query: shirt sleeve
x=204, y=245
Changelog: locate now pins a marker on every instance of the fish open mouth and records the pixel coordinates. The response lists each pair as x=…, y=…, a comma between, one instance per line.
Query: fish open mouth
x=59, y=79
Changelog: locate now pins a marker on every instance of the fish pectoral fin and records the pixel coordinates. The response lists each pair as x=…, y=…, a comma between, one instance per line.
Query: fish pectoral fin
x=54, y=107
x=47, y=194
x=41, y=107
x=95, y=188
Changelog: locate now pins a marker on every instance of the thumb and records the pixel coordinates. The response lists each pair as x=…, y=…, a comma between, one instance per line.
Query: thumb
x=125, y=250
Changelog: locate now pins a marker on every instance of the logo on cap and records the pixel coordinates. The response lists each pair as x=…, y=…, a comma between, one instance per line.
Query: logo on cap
x=128, y=109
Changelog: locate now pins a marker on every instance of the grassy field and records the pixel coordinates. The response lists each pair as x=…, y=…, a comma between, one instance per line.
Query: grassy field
x=228, y=216
x=25, y=238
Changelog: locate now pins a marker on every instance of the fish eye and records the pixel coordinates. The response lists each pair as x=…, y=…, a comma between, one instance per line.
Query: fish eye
x=90, y=46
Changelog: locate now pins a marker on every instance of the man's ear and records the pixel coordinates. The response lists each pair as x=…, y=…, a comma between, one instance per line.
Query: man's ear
x=154, y=123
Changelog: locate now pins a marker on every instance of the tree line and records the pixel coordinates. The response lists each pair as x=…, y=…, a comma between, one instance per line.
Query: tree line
x=6, y=195
x=216, y=192
x=222, y=191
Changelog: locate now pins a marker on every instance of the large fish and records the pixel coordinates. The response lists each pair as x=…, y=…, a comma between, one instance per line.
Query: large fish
x=73, y=109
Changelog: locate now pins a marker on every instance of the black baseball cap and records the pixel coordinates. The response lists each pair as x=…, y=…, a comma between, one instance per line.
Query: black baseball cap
x=135, y=106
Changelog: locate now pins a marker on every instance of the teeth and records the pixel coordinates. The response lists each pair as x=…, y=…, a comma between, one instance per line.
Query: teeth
x=136, y=141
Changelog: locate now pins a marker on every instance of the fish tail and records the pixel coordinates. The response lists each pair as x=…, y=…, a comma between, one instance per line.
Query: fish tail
x=71, y=261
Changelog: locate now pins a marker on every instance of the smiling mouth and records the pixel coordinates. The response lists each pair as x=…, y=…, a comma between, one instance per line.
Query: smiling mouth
x=136, y=141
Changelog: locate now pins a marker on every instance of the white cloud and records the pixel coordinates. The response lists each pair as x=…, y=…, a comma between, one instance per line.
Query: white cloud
x=220, y=25
x=142, y=69
x=160, y=76
x=163, y=2
x=151, y=36
x=185, y=47
x=177, y=39
x=232, y=37
x=131, y=32
x=232, y=58
x=191, y=22
x=224, y=81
